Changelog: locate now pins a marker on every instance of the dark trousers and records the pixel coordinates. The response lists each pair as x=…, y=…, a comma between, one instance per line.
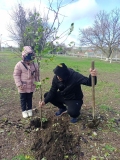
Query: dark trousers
x=26, y=101
x=73, y=106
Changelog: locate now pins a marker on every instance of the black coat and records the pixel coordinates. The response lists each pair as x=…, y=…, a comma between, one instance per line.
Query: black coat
x=70, y=89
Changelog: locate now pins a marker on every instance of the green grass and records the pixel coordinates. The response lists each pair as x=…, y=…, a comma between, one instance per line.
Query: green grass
x=105, y=88
x=80, y=64
x=83, y=64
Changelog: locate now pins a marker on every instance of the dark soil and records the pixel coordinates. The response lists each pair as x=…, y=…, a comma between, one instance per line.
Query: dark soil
x=57, y=143
x=57, y=139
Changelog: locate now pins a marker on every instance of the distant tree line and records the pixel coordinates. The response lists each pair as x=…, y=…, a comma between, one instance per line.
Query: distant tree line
x=105, y=33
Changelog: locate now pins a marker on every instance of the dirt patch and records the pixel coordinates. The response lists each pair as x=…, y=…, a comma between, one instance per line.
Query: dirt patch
x=59, y=143
x=57, y=139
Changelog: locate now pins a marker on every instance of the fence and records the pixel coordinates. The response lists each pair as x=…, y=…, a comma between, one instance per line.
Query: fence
x=102, y=57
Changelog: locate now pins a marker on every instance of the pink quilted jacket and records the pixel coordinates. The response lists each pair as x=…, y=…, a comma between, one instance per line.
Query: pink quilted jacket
x=25, y=76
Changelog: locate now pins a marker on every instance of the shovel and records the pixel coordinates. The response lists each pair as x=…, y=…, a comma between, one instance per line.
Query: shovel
x=93, y=90
x=94, y=122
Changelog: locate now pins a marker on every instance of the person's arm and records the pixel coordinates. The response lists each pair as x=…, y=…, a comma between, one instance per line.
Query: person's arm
x=17, y=75
x=87, y=80
x=78, y=79
x=52, y=92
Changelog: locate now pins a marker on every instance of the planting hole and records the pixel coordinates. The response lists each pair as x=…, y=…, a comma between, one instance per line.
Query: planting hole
x=36, y=123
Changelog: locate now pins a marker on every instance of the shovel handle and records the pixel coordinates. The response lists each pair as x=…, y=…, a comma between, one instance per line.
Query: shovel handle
x=93, y=89
x=93, y=78
x=92, y=65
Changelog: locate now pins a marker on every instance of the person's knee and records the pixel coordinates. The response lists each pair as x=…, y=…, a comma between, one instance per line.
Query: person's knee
x=74, y=108
x=74, y=113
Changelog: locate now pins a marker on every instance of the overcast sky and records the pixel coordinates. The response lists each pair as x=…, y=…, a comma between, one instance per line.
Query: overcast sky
x=79, y=12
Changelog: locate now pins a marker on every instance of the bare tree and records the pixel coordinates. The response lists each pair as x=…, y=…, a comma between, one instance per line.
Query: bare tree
x=30, y=28
x=25, y=24
x=17, y=30
x=105, y=33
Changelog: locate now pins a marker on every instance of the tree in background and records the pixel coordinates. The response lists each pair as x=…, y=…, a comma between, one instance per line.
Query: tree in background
x=30, y=28
x=34, y=31
x=17, y=30
x=26, y=23
x=105, y=33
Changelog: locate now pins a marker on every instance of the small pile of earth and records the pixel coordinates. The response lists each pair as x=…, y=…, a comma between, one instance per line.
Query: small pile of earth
x=56, y=142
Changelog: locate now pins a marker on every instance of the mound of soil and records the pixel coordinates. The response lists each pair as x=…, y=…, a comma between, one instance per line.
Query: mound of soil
x=56, y=142
x=55, y=139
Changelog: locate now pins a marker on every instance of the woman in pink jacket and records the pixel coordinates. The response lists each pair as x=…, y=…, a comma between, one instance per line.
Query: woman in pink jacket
x=26, y=72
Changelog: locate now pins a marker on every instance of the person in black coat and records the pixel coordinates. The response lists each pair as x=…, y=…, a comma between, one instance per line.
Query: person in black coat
x=65, y=92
